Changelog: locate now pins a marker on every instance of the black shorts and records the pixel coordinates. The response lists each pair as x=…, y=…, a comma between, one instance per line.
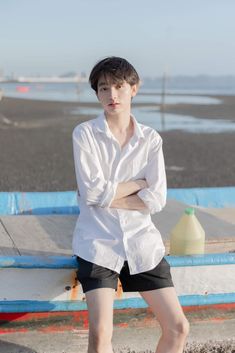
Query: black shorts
x=92, y=276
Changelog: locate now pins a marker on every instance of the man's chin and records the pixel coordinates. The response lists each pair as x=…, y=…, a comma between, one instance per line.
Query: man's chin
x=113, y=111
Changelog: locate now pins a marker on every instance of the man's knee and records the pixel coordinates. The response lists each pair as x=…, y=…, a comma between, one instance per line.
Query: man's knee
x=182, y=327
x=100, y=336
x=178, y=329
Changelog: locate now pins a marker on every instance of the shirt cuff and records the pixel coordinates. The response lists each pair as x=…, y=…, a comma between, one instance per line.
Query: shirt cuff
x=109, y=193
x=155, y=203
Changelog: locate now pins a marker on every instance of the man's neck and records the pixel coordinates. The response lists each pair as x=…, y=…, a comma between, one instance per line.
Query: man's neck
x=120, y=123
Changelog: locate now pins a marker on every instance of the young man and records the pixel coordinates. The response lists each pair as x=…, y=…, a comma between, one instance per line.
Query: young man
x=121, y=178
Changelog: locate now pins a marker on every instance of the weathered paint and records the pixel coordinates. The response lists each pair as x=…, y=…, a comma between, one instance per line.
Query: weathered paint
x=65, y=202
x=46, y=262
x=74, y=286
x=43, y=293
x=21, y=306
x=50, y=283
x=201, y=280
x=16, y=203
x=202, y=260
x=58, y=262
x=141, y=317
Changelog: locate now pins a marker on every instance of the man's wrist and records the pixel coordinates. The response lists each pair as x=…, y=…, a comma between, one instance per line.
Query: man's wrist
x=142, y=184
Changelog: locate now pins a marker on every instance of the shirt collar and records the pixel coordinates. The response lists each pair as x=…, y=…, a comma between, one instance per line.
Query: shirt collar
x=101, y=125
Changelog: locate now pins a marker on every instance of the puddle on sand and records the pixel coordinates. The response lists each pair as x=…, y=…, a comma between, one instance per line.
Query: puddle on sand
x=166, y=122
x=155, y=119
x=177, y=99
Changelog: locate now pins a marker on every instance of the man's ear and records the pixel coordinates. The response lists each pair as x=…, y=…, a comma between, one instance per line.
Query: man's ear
x=134, y=90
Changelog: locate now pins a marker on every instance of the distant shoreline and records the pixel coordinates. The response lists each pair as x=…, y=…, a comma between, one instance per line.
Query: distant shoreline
x=224, y=110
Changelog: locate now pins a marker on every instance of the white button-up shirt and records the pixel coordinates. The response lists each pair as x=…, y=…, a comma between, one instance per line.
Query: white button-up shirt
x=108, y=236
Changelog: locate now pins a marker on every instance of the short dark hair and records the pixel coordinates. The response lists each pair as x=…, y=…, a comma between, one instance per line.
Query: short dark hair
x=115, y=69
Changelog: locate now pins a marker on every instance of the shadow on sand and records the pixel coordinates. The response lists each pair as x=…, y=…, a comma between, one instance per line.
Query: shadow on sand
x=8, y=347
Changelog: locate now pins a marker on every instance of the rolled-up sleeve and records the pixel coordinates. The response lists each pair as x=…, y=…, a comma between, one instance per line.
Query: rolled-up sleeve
x=93, y=187
x=154, y=196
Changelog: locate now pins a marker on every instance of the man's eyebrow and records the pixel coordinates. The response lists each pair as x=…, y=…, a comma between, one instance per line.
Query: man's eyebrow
x=102, y=84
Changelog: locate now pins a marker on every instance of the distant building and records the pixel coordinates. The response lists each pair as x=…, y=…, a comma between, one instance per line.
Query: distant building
x=54, y=79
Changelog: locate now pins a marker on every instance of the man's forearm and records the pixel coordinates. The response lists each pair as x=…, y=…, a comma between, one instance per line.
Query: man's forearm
x=126, y=190
x=130, y=187
x=132, y=202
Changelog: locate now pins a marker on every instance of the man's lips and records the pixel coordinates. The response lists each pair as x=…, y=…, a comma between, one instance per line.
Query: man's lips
x=113, y=104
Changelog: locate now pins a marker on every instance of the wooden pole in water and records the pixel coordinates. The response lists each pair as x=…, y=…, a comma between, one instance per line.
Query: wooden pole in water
x=163, y=100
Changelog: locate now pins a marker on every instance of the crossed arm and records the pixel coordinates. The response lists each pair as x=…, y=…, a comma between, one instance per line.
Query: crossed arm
x=141, y=194
x=126, y=197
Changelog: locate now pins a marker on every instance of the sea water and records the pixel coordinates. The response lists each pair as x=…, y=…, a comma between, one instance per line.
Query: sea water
x=81, y=92
x=152, y=117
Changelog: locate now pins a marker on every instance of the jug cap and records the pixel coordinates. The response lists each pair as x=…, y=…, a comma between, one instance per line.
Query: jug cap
x=189, y=211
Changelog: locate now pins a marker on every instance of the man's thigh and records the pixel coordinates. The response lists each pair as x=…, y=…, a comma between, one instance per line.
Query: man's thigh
x=165, y=305
x=100, y=308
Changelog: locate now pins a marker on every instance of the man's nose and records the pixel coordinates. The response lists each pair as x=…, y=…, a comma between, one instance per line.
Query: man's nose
x=113, y=93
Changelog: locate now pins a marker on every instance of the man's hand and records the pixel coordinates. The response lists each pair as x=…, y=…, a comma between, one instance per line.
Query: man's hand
x=131, y=202
x=129, y=188
x=142, y=183
x=126, y=195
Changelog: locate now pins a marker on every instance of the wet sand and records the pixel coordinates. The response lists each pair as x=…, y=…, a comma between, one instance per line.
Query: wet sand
x=36, y=146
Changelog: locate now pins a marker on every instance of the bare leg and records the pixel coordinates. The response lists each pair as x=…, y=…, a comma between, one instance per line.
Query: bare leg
x=100, y=312
x=166, y=307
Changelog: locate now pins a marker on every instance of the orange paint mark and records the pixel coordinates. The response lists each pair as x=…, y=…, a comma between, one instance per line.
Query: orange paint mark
x=227, y=306
x=75, y=287
x=52, y=329
x=123, y=324
x=85, y=322
x=62, y=321
x=119, y=290
x=220, y=319
x=12, y=330
x=22, y=89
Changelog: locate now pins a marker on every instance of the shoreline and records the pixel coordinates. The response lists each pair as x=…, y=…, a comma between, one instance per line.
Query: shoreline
x=224, y=110
x=36, y=145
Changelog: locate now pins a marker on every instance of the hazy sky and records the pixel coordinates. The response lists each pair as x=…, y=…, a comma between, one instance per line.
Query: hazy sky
x=56, y=36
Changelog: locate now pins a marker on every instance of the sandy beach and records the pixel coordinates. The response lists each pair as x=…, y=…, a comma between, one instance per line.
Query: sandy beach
x=36, y=146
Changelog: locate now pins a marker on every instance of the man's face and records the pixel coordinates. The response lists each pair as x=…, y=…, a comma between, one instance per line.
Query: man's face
x=115, y=97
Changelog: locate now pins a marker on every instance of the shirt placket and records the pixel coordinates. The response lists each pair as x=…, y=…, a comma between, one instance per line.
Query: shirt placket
x=123, y=216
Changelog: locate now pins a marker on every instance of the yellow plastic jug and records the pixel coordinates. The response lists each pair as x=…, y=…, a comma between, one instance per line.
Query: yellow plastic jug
x=188, y=236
